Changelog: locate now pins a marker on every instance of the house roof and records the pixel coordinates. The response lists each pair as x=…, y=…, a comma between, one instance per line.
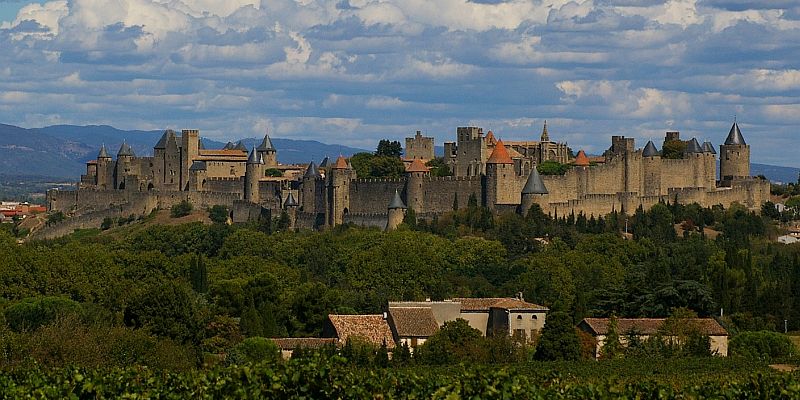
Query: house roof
x=513, y=153
x=372, y=328
x=306, y=343
x=500, y=155
x=341, y=163
x=735, y=136
x=650, y=150
x=650, y=326
x=417, y=166
x=581, y=160
x=413, y=321
x=485, y=303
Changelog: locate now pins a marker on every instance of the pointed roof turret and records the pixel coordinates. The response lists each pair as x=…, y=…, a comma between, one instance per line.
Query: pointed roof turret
x=499, y=155
x=312, y=171
x=255, y=158
x=694, y=146
x=198, y=166
x=103, y=152
x=341, y=163
x=708, y=148
x=535, y=184
x=229, y=146
x=240, y=146
x=266, y=144
x=545, y=135
x=325, y=163
x=490, y=138
x=126, y=150
x=581, y=160
x=168, y=135
x=290, y=201
x=650, y=150
x=397, y=202
x=735, y=136
x=417, y=166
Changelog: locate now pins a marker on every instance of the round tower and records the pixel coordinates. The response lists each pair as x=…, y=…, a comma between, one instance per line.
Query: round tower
x=253, y=172
x=734, y=156
x=582, y=173
x=651, y=167
x=339, y=191
x=500, y=177
x=694, y=153
x=125, y=157
x=311, y=190
x=711, y=165
x=397, y=212
x=268, y=152
x=533, y=192
x=290, y=205
x=103, y=180
x=415, y=173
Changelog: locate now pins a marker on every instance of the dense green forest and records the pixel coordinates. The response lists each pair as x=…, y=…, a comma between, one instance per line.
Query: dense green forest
x=174, y=296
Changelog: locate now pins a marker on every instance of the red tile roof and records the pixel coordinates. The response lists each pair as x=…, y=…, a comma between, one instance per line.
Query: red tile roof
x=650, y=326
x=341, y=163
x=581, y=160
x=490, y=139
x=484, y=304
x=417, y=166
x=413, y=321
x=500, y=155
x=372, y=328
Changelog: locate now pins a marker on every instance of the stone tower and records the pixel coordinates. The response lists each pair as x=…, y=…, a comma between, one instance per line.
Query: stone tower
x=198, y=173
x=734, y=156
x=397, y=211
x=290, y=205
x=500, y=176
x=419, y=147
x=651, y=169
x=312, y=194
x=339, y=191
x=582, y=174
x=123, y=169
x=533, y=192
x=253, y=173
x=104, y=162
x=268, y=152
x=711, y=165
x=694, y=152
x=415, y=195
x=190, y=150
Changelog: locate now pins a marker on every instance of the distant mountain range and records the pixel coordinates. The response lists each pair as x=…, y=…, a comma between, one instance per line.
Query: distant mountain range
x=62, y=150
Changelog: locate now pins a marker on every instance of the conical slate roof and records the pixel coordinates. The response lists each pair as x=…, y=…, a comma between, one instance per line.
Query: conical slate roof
x=581, y=160
x=326, y=162
x=499, y=155
x=103, y=152
x=240, y=146
x=200, y=145
x=397, y=202
x=290, y=201
x=694, y=146
x=535, y=184
x=312, y=171
x=126, y=150
x=650, y=150
x=162, y=143
x=735, y=136
x=229, y=146
x=266, y=144
x=709, y=148
x=198, y=166
x=254, y=158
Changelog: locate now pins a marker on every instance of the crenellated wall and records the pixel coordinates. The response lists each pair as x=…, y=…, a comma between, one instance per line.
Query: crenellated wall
x=372, y=196
x=368, y=220
x=441, y=192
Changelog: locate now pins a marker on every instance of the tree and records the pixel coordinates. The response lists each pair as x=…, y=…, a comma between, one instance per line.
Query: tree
x=438, y=167
x=273, y=172
x=559, y=340
x=181, y=209
x=55, y=217
x=455, y=341
x=167, y=310
x=253, y=350
x=552, y=168
x=218, y=214
x=199, y=274
x=31, y=313
x=389, y=148
x=612, y=348
x=673, y=149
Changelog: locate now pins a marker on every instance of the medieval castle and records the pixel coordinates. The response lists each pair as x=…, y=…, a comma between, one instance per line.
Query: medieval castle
x=500, y=175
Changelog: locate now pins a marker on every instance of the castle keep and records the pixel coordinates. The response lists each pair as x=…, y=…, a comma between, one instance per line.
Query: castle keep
x=500, y=175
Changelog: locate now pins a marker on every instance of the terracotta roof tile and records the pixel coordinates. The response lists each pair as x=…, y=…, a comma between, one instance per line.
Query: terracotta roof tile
x=417, y=166
x=372, y=328
x=484, y=304
x=341, y=163
x=413, y=321
x=306, y=343
x=490, y=139
x=650, y=326
x=581, y=160
x=500, y=155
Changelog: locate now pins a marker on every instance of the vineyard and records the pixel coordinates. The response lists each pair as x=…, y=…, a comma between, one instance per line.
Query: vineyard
x=318, y=378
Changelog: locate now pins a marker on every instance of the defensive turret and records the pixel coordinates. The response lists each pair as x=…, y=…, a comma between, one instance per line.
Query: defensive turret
x=734, y=156
x=397, y=211
x=533, y=191
x=268, y=152
x=254, y=170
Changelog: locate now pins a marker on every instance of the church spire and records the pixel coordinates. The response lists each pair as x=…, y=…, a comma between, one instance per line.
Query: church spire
x=545, y=135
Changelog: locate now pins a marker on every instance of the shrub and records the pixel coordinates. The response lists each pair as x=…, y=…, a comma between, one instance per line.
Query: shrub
x=559, y=340
x=181, y=209
x=31, y=313
x=254, y=349
x=218, y=214
x=761, y=344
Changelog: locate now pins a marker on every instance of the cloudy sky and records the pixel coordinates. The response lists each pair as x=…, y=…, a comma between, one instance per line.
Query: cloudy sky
x=356, y=71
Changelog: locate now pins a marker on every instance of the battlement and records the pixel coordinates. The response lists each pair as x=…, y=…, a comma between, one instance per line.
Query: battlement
x=451, y=178
x=379, y=180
